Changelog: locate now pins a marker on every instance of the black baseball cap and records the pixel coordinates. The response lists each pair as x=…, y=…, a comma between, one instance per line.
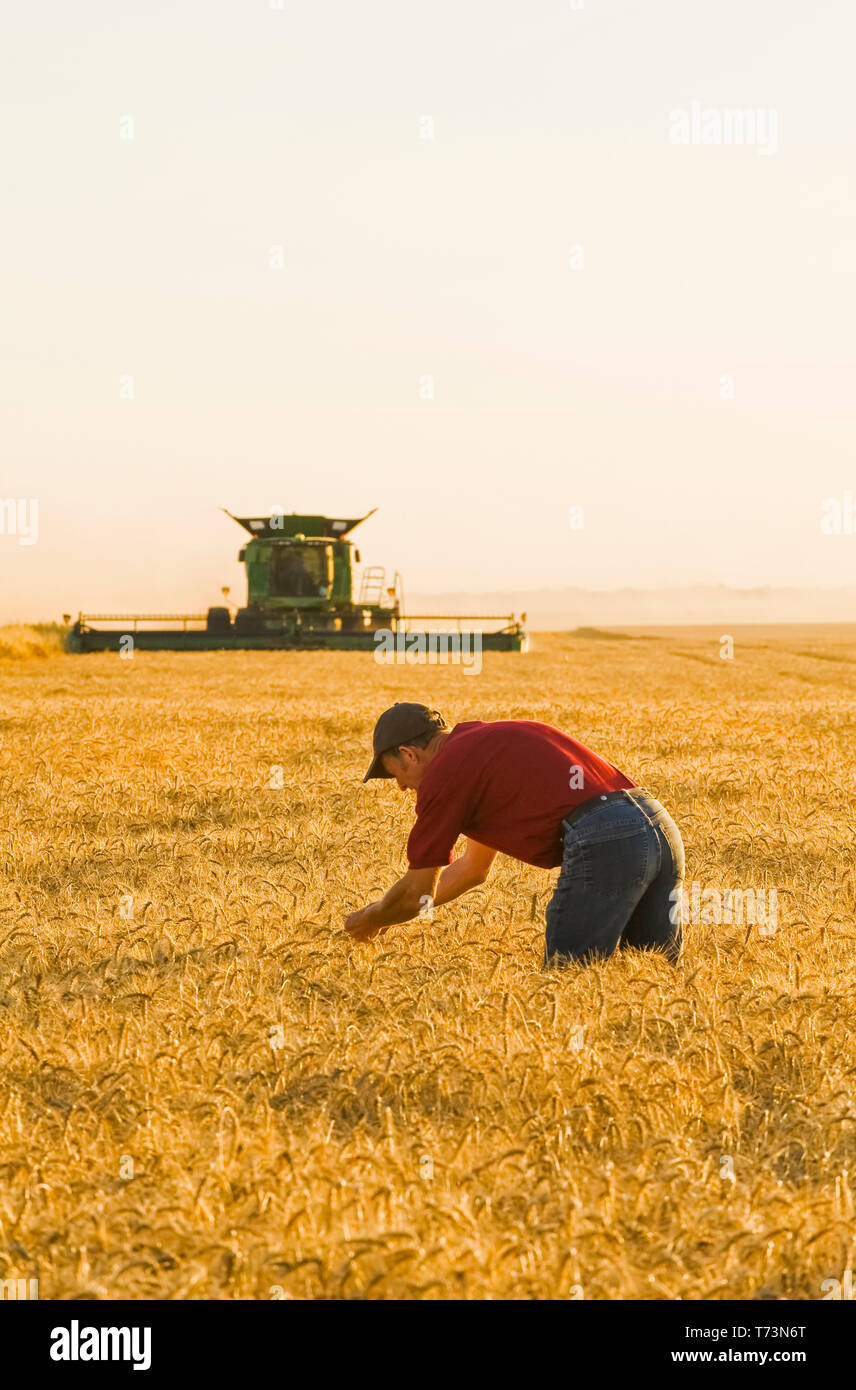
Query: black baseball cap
x=398, y=726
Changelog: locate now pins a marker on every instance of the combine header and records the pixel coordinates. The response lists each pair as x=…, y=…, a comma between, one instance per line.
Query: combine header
x=299, y=595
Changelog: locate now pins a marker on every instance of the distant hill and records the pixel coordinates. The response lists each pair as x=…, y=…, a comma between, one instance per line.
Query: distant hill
x=559, y=609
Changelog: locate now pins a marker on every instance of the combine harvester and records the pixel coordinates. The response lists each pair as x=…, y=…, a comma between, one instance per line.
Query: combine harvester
x=299, y=596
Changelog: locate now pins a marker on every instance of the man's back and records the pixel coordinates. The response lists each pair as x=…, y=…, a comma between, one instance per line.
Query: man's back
x=508, y=784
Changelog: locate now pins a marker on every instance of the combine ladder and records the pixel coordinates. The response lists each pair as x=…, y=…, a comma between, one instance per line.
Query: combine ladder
x=371, y=584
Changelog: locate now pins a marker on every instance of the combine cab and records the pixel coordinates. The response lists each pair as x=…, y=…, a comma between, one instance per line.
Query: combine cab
x=299, y=595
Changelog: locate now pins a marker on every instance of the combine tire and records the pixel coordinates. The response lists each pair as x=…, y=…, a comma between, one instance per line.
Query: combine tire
x=247, y=623
x=218, y=621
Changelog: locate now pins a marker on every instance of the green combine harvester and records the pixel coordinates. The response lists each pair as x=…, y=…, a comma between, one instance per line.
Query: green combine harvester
x=299, y=596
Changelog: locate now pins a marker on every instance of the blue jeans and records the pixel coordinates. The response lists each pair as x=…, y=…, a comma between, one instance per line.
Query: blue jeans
x=620, y=883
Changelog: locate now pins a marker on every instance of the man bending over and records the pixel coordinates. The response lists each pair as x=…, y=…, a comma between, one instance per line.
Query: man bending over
x=519, y=787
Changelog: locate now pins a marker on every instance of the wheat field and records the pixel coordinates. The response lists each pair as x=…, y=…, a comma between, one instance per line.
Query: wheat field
x=207, y=1091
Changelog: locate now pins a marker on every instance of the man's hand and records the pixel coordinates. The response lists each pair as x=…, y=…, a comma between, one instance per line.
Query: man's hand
x=361, y=926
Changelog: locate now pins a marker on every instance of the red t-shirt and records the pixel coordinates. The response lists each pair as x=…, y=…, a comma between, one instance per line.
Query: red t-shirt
x=508, y=784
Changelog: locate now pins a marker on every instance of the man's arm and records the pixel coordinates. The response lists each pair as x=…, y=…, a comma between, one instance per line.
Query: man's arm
x=400, y=903
x=416, y=890
x=471, y=869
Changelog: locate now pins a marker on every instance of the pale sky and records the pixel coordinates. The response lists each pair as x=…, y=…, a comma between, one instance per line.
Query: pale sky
x=405, y=258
